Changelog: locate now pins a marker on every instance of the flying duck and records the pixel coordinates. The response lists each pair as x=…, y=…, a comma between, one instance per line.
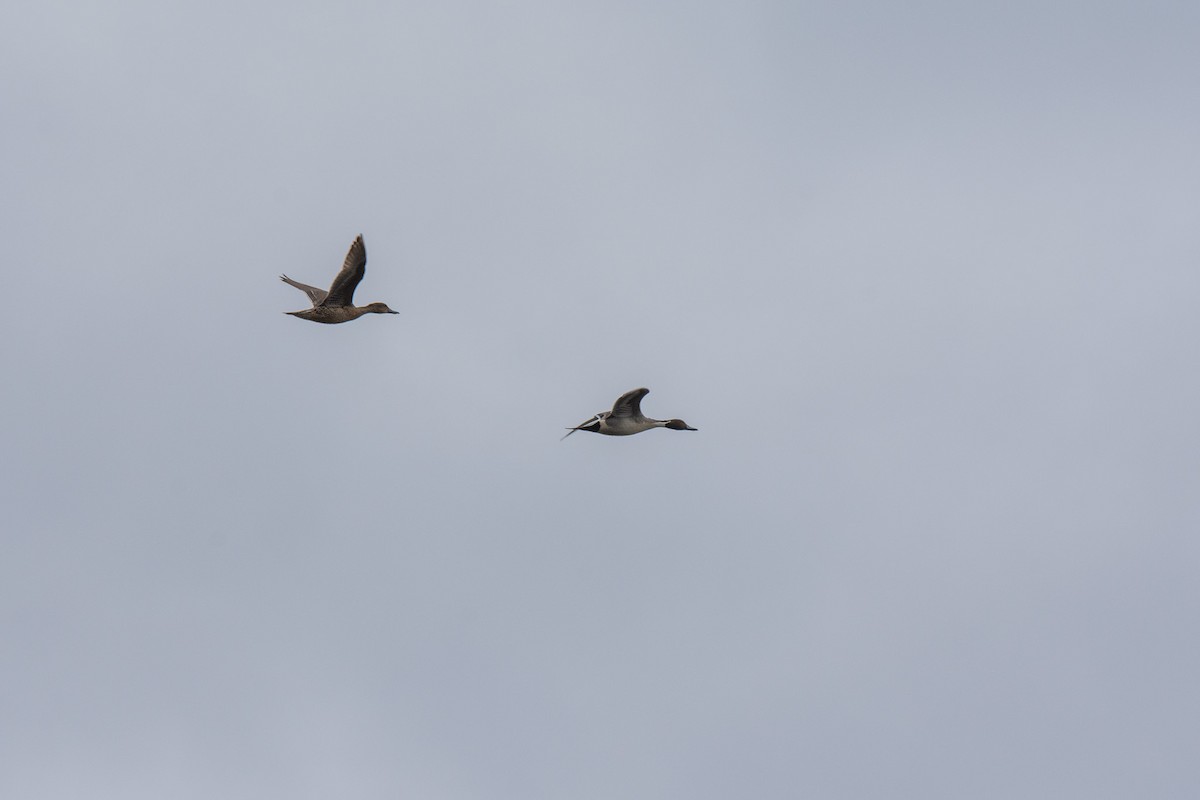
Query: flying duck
x=626, y=418
x=337, y=305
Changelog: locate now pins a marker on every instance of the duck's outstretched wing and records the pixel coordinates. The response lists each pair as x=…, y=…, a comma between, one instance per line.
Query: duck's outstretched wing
x=314, y=294
x=341, y=291
x=630, y=404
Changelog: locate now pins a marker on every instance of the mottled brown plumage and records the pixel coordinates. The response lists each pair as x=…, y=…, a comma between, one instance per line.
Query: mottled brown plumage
x=337, y=304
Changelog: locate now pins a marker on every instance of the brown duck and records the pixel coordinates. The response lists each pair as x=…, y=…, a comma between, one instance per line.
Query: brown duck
x=337, y=305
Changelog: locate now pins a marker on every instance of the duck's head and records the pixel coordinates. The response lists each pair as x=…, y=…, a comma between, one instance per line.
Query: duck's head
x=679, y=425
x=378, y=308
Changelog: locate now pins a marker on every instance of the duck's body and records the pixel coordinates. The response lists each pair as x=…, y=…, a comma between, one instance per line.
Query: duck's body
x=626, y=418
x=332, y=315
x=337, y=304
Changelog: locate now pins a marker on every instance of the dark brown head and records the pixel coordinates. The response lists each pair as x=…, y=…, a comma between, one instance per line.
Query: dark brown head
x=378, y=308
x=679, y=425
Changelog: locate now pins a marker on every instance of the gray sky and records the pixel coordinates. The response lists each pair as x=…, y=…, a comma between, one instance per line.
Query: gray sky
x=923, y=275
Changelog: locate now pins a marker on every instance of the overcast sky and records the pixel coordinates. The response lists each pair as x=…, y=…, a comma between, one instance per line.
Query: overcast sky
x=924, y=275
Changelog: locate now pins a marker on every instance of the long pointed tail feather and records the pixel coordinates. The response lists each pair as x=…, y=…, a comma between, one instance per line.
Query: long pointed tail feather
x=581, y=426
